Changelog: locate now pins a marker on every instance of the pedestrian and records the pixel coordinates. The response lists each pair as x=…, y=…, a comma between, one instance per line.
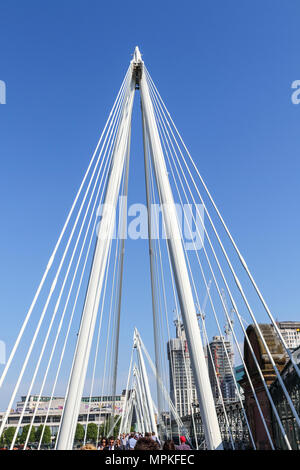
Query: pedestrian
x=124, y=441
x=146, y=443
x=169, y=445
x=111, y=445
x=132, y=442
x=183, y=445
x=103, y=444
x=155, y=438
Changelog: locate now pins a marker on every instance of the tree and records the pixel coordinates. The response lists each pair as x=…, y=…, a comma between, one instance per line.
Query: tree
x=24, y=434
x=79, y=433
x=9, y=435
x=101, y=430
x=46, y=439
x=92, y=431
x=117, y=426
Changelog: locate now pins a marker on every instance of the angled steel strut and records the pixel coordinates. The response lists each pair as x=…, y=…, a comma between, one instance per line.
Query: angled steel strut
x=138, y=80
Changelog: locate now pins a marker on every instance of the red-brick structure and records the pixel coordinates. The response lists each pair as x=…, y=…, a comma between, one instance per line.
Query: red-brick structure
x=278, y=354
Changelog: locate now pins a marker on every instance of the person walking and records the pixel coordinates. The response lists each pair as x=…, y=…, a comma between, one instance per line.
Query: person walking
x=183, y=445
x=132, y=442
x=155, y=438
x=111, y=444
x=169, y=445
x=124, y=442
x=103, y=444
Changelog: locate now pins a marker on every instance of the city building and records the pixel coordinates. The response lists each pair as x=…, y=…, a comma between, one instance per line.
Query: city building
x=290, y=331
x=221, y=364
x=292, y=383
x=278, y=355
x=92, y=410
x=182, y=385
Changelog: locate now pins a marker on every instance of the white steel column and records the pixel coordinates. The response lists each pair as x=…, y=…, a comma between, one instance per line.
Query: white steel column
x=144, y=408
x=139, y=404
x=89, y=314
x=184, y=291
x=153, y=284
x=144, y=378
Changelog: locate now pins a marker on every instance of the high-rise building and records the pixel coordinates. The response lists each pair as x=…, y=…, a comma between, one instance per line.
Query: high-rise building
x=182, y=385
x=290, y=331
x=221, y=362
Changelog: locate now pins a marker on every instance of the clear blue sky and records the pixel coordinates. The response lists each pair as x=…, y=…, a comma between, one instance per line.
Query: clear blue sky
x=225, y=71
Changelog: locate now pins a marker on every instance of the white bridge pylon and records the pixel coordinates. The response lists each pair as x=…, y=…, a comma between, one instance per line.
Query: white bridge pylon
x=89, y=285
x=184, y=291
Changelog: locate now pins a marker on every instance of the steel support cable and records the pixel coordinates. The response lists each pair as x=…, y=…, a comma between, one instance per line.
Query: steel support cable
x=114, y=275
x=173, y=288
x=52, y=257
x=174, y=294
x=47, y=302
x=218, y=384
x=172, y=368
x=127, y=401
x=109, y=322
x=107, y=265
x=189, y=387
x=160, y=258
x=78, y=290
x=164, y=141
x=154, y=286
x=236, y=311
x=245, y=369
x=114, y=295
x=187, y=258
x=59, y=298
x=80, y=282
x=139, y=410
x=62, y=317
x=144, y=395
x=90, y=332
x=114, y=425
x=156, y=410
x=120, y=284
x=188, y=376
x=78, y=293
x=102, y=308
x=96, y=353
x=94, y=367
x=117, y=293
x=144, y=411
x=267, y=391
x=222, y=303
x=104, y=291
x=96, y=279
x=66, y=338
x=182, y=282
x=230, y=237
x=129, y=415
x=159, y=276
x=152, y=196
x=126, y=392
x=164, y=390
x=145, y=385
x=195, y=290
x=142, y=390
x=84, y=342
